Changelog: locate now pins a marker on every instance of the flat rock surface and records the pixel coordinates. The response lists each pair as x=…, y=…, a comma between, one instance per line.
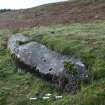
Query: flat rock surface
x=39, y=56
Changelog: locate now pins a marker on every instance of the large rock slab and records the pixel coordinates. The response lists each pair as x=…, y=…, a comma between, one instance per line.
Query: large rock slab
x=44, y=60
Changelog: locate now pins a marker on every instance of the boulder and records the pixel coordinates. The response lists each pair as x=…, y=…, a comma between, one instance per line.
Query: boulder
x=45, y=61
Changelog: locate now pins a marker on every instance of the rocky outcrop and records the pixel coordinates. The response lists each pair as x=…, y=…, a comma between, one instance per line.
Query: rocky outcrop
x=47, y=62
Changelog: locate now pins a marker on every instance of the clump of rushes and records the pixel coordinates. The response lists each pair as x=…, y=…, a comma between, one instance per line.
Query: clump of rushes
x=71, y=68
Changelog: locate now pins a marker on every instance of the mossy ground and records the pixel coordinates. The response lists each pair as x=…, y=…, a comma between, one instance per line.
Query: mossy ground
x=86, y=41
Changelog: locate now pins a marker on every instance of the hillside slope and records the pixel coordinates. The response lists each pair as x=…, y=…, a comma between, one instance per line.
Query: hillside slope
x=86, y=41
x=64, y=12
x=84, y=37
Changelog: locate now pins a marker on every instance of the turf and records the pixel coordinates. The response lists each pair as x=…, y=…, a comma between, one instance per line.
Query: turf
x=85, y=41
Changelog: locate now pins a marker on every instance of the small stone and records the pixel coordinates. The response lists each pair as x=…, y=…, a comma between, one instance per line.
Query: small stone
x=58, y=97
x=48, y=94
x=44, y=98
x=33, y=98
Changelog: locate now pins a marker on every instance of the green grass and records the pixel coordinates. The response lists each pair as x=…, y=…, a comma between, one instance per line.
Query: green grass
x=85, y=41
x=16, y=88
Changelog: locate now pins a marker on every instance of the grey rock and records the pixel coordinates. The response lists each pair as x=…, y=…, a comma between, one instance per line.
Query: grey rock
x=44, y=60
